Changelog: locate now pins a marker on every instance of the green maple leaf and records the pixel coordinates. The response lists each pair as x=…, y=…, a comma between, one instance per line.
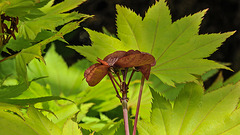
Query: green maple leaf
x=48, y=17
x=195, y=113
x=28, y=54
x=177, y=47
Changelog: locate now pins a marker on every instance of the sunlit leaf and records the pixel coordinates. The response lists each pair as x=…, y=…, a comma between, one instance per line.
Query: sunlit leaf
x=71, y=128
x=177, y=47
x=40, y=123
x=12, y=108
x=12, y=124
x=233, y=79
x=168, y=92
x=195, y=112
x=83, y=111
x=23, y=58
x=28, y=54
x=62, y=114
x=102, y=46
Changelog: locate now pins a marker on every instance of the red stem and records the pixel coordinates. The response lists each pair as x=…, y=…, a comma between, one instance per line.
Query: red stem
x=9, y=57
x=119, y=77
x=124, y=90
x=138, y=106
x=111, y=78
x=125, y=116
x=110, y=74
x=130, y=77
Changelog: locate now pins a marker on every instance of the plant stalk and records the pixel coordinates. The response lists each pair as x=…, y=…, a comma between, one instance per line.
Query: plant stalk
x=138, y=105
x=124, y=90
x=1, y=36
x=125, y=116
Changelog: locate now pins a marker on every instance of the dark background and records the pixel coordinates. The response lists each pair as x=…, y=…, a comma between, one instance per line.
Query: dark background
x=222, y=16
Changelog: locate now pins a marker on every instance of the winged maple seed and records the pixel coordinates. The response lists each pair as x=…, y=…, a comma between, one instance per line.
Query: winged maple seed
x=119, y=60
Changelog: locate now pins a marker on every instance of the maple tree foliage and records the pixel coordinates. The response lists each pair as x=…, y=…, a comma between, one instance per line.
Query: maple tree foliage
x=174, y=99
x=179, y=50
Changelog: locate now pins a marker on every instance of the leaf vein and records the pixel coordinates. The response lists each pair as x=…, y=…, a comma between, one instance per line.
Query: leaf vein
x=185, y=113
x=155, y=34
x=229, y=129
x=174, y=41
x=194, y=49
x=132, y=30
x=212, y=110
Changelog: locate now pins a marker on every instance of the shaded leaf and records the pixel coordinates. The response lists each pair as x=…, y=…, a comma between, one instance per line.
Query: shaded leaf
x=16, y=7
x=31, y=101
x=53, y=16
x=218, y=83
x=17, y=45
x=12, y=91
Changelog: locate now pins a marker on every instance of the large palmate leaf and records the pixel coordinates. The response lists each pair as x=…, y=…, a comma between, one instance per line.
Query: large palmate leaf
x=177, y=47
x=195, y=113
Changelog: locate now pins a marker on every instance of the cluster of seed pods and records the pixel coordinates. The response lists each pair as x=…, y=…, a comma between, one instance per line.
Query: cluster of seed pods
x=118, y=63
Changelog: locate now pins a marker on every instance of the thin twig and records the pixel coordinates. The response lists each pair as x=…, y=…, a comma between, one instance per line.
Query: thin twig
x=9, y=57
x=138, y=105
x=119, y=77
x=110, y=74
x=111, y=78
x=131, y=77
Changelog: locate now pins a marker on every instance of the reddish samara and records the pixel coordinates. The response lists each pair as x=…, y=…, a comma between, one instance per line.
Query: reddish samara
x=119, y=60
